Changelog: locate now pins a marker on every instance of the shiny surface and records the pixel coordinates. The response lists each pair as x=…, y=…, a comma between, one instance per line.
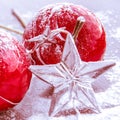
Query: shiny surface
x=32, y=106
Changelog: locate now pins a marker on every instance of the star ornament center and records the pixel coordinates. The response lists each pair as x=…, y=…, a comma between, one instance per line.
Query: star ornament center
x=72, y=78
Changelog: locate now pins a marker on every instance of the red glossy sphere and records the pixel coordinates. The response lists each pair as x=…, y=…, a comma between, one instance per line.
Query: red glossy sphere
x=14, y=74
x=91, y=41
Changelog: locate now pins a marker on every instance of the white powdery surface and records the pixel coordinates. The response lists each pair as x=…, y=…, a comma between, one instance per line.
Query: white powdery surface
x=108, y=114
x=35, y=105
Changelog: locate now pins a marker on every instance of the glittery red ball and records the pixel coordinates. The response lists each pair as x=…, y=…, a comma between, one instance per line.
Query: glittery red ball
x=14, y=74
x=91, y=41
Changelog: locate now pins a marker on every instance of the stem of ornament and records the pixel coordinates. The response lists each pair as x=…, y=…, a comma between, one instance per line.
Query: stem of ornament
x=18, y=18
x=11, y=30
x=79, y=24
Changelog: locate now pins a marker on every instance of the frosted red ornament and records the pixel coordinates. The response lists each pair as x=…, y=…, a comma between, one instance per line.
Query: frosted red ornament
x=91, y=41
x=14, y=74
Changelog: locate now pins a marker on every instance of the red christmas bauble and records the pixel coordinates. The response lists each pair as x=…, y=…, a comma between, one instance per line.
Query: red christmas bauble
x=91, y=41
x=14, y=74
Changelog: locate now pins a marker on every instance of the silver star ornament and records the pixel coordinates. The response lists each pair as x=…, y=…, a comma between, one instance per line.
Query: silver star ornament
x=72, y=79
